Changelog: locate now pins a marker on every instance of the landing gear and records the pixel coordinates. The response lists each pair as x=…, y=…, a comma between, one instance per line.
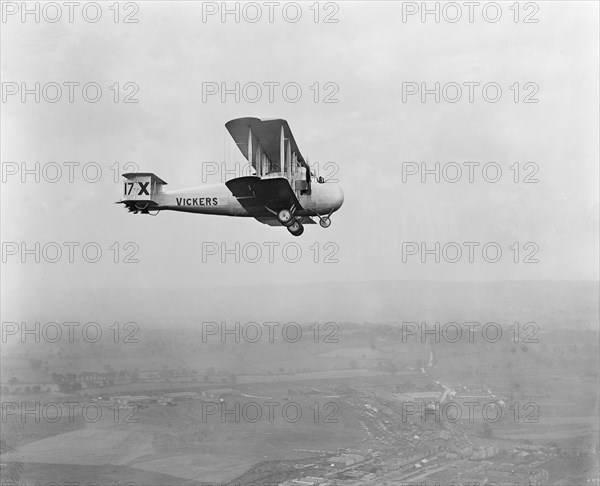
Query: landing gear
x=325, y=222
x=285, y=217
x=293, y=223
x=296, y=228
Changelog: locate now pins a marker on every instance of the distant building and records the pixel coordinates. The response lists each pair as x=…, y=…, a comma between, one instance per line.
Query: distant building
x=308, y=481
x=219, y=393
x=484, y=453
x=536, y=477
x=441, y=440
x=422, y=396
x=353, y=473
x=126, y=401
x=183, y=396
x=409, y=461
x=345, y=460
x=445, y=435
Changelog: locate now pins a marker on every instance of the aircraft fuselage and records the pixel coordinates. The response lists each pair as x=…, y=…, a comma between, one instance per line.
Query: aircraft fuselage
x=217, y=199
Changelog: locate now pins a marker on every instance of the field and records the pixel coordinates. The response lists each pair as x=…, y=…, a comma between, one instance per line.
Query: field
x=184, y=442
x=257, y=429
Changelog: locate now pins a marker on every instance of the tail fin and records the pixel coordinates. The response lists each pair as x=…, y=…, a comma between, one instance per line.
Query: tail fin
x=140, y=190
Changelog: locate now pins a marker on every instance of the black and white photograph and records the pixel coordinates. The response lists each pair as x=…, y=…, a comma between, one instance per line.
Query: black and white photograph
x=300, y=243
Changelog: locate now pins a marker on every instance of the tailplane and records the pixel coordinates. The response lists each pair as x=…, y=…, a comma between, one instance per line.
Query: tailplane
x=140, y=190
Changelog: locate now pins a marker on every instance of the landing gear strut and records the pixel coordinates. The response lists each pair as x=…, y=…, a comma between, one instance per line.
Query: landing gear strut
x=292, y=223
x=325, y=222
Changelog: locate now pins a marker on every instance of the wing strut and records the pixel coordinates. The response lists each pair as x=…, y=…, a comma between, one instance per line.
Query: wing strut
x=282, y=151
x=288, y=162
x=250, y=149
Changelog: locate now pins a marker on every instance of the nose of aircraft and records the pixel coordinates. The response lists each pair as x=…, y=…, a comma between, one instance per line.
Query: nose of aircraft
x=338, y=197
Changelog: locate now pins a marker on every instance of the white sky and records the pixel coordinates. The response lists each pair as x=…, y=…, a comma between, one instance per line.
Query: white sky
x=369, y=53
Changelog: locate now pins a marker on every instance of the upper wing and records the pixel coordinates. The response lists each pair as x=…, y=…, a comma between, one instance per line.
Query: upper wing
x=256, y=195
x=265, y=136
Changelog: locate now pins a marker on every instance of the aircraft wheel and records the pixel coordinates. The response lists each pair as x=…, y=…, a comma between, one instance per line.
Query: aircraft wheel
x=285, y=217
x=296, y=228
x=325, y=222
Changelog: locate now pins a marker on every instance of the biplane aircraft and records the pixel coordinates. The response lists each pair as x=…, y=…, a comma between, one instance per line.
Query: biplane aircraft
x=283, y=191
